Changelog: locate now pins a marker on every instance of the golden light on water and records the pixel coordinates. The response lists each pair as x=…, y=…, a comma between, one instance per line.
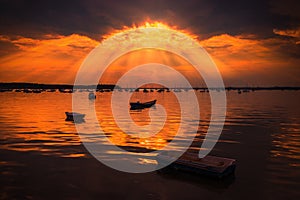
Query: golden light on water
x=141, y=118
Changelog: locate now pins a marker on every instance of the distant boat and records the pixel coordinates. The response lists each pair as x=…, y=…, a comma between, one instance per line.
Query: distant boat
x=138, y=105
x=27, y=91
x=92, y=96
x=74, y=116
x=65, y=90
x=36, y=91
x=212, y=166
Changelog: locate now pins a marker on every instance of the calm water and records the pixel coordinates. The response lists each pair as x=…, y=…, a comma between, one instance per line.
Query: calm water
x=262, y=132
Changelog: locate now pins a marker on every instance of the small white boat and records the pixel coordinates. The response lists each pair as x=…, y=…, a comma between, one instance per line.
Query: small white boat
x=74, y=116
x=92, y=96
x=65, y=90
x=177, y=90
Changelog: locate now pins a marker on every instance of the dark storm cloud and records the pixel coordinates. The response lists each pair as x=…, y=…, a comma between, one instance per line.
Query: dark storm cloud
x=36, y=17
x=95, y=18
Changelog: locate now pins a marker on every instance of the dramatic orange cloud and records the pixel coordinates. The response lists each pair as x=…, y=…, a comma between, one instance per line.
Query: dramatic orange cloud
x=54, y=59
x=295, y=33
x=242, y=59
x=289, y=32
x=246, y=60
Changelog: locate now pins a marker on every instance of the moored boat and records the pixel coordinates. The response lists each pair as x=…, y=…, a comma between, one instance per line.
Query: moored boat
x=92, y=96
x=36, y=91
x=177, y=90
x=27, y=91
x=65, y=90
x=139, y=105
x=212, y=166
x=74, y=116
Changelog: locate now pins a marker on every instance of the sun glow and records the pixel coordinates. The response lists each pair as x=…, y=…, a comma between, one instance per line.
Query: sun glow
x=151, y=40
x=149, y=24
x=151, y=43
x=55, y=58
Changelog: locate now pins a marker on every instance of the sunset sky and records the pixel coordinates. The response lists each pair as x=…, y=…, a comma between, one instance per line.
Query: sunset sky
x=253, y=43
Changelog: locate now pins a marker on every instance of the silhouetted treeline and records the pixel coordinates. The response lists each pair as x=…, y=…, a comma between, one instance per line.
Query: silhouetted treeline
x=52, y=86
x=111, y=87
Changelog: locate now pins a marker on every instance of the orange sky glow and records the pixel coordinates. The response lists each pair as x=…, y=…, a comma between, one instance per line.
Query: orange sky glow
x=241, y=59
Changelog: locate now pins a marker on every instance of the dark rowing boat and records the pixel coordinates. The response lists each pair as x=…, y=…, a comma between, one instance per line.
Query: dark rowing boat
x=74, y=116
x=139, y=105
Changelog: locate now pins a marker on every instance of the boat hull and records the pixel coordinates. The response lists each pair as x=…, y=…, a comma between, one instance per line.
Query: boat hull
x=92, y=96
x=138, y=105
x=210, y=166
x=74, y=116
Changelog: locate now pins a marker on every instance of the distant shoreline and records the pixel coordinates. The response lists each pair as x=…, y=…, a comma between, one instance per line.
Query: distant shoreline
x=52, y=86
x=5, y=86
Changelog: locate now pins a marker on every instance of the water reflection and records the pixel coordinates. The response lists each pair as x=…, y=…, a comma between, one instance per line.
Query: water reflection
x=262, y=131
x=36, y=122
x=141, y=118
